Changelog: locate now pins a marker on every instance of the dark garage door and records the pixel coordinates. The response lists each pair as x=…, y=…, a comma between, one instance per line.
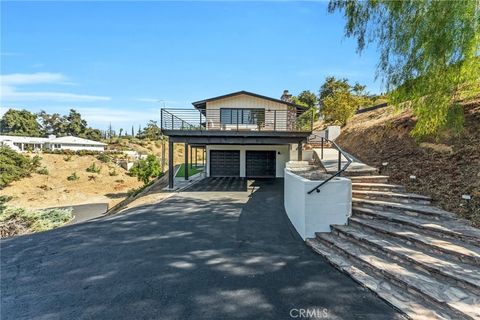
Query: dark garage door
x=261, y=164
x=224, y=163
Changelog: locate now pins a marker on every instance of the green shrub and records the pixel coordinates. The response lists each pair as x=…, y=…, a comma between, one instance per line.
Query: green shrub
x=146, y=169
x=103, y=158
x=37, y=220
x=36, y=161
x=43, y=171
x=73, y=177
x=14, y=166
x=3, y=201
x=93, y=168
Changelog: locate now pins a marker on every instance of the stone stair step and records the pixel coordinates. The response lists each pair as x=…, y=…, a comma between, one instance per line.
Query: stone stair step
x=360, y=172
x=406, y=208
x=464, y=275
x=401, y=197
x=460, y=302
x=450, y=229
x=377, y=186
x=463, y=251
x=370, y=179
x=400, y=299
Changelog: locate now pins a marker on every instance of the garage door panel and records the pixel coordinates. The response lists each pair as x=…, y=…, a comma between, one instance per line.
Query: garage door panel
x=261, y=164
x=224, y=163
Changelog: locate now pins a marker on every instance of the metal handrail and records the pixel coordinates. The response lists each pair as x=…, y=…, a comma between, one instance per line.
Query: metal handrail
x=172, y=117
x=340, y=170
x=265, y=120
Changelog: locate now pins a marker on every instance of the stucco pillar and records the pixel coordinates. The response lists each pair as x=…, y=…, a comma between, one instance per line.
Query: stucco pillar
x=299, y=150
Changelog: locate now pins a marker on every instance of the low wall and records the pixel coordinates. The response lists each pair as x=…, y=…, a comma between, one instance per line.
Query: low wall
x=315, y=212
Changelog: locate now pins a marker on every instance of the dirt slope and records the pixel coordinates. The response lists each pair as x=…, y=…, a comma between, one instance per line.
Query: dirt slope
x=445, y=169
x=43, y=191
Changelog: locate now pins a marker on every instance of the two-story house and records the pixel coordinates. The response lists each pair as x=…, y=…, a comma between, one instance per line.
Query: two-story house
x=244, y=134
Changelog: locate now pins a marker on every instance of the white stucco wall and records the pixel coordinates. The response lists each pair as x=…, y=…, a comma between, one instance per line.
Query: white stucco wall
x=76, y=147
x=282, y=156
x=315, y=212
x=333, y=132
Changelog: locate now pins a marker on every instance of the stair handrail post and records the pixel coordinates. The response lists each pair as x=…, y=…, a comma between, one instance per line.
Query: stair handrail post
x=339, y=160
x=321, y=153
x=161, y=119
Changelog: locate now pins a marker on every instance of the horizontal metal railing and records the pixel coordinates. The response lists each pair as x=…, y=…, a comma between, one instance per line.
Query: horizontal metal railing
x=237, y=119
x=340, y=168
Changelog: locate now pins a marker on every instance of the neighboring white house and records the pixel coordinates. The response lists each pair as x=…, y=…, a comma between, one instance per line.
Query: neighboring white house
x=22, y=144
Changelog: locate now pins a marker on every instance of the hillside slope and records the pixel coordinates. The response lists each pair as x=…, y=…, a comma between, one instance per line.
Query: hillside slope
x=444, y=169
x=43, y=191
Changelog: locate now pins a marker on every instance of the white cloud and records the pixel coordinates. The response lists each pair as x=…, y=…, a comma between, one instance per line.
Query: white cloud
x=32, y=78
x=10, y=82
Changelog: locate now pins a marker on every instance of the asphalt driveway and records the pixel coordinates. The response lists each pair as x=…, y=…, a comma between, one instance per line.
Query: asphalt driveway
x=210, y=252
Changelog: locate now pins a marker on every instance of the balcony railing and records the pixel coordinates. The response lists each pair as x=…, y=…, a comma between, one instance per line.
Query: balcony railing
x=237, y=119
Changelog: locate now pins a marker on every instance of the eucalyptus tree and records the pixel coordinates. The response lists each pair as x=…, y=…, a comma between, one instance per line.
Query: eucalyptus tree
x=429, y=53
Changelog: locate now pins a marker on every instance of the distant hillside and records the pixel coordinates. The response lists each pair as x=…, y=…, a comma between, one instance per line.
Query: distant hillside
x=110, y=185
x=445, y=169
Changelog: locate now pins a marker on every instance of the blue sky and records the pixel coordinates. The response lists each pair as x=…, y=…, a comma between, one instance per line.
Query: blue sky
x=114, y=61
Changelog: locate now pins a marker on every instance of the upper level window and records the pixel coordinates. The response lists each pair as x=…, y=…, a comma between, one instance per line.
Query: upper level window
x=242, y=116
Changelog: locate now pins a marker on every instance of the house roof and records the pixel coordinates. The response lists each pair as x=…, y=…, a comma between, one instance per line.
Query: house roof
x=76, y=140
x=21, y=139
x=66, y=139
x=203, y=103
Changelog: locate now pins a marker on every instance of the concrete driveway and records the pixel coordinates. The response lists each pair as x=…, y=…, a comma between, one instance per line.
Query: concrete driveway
x=200, y=254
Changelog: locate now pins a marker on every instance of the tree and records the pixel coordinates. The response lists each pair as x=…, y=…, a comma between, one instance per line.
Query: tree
x=146, y=169
x=52, y=123
x=307, y=98
x=75, y=124
x=20, y=123
x=133, y=132
x=332, y=85
x=151, y=131
x=339, y=100
x=92, y=134
x=428, y=53
x=339, y=107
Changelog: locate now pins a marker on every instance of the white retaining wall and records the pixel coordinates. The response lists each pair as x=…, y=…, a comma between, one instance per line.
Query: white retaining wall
x=315, y=212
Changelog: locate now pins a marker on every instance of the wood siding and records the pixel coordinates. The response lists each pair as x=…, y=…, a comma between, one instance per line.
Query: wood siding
x=278, y=120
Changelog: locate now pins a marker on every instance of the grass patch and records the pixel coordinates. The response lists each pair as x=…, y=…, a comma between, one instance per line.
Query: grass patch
x=191, y=170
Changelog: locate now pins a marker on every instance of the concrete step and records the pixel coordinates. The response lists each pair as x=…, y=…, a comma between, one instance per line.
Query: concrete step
x=404, y=208
x=377, y=187
x=456, y=300
x=456, y=249
x=360, y=172
x=400, y=299
x=369, y=179
x=400, y=197
x=448, y=229
x=457, y=273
